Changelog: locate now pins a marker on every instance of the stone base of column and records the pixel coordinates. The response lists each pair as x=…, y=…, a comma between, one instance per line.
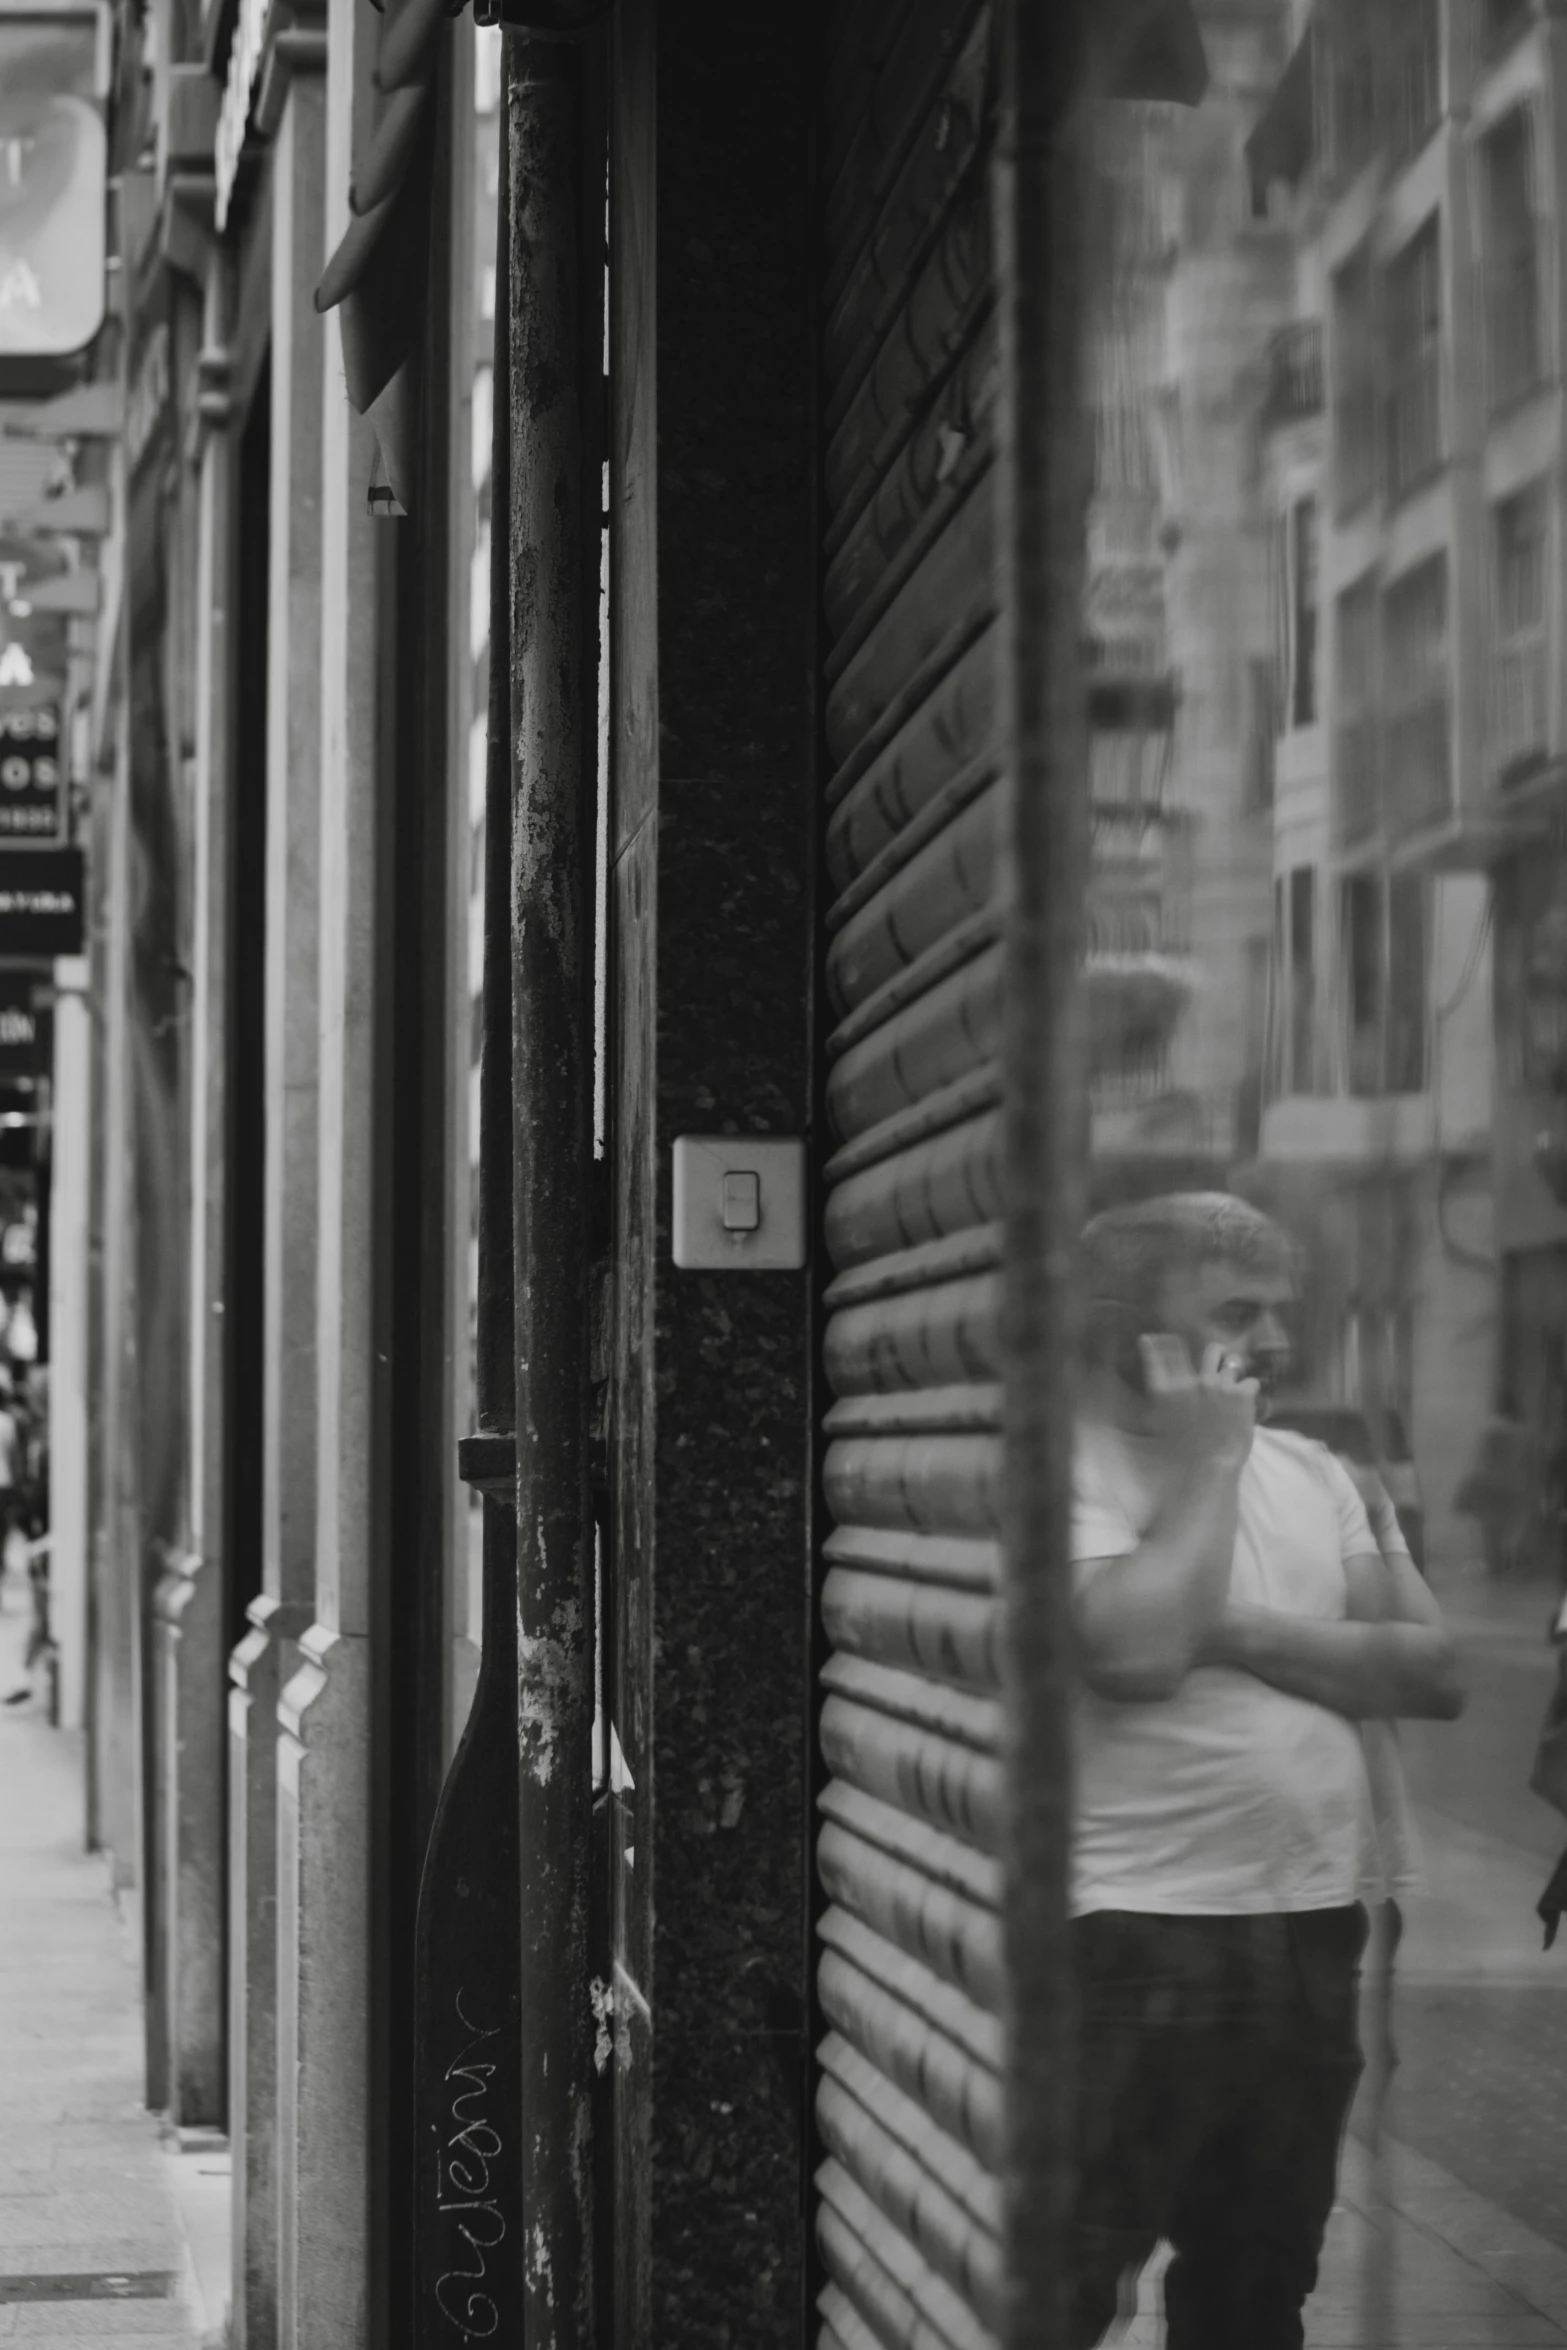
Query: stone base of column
x=258, y=1669
x=323, y=1996
x=188, y=1635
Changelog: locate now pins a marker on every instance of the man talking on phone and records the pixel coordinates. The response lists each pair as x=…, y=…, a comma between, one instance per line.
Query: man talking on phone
x=1236, y=1625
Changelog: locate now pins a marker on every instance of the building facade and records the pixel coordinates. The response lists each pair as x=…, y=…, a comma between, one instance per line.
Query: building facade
x=1413, y=434
x=573, y=718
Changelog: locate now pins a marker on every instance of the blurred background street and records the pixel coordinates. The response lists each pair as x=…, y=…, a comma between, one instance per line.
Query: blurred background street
x=1456, y=2239
x=1482, y=2032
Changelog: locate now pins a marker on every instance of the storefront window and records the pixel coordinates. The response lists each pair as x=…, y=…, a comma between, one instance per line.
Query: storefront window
x=1375, y=950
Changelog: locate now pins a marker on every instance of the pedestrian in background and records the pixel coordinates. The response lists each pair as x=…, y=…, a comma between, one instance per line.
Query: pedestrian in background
x=1496, y=1493
x=1236, y=1625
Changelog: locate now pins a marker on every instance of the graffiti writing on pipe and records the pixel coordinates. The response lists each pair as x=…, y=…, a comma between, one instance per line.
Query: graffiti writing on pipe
x=470, y=2158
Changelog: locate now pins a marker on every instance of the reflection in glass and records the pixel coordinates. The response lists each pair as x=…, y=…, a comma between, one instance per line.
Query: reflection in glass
x=1327, y=974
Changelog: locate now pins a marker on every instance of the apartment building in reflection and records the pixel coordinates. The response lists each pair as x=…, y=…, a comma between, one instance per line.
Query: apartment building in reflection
x=1413, y=444
x=1181, y=679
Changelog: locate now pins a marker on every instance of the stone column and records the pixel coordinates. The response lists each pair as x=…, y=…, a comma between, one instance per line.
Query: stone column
x=324, y=1824
x=189, y=1628
x=195, y=1594
x=68, y=1273
x=115, y=1790
x=292, y=107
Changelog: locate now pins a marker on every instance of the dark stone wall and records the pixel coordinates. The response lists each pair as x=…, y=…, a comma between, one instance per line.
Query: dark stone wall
x=714, y=917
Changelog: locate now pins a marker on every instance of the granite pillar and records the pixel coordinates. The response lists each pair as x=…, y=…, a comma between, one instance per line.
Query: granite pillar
x=324, y=1834
x=712, y=852
x=294, y=107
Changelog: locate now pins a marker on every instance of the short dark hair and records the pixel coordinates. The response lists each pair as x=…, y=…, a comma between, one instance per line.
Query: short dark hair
x=1128, y=1253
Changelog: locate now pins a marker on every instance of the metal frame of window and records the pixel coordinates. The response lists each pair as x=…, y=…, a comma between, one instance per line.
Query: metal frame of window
x=1305, y=611
x=1383, y=956
x=1357, y=792
x=1513, y=276
x=1417, y=778
x=1353, y=374
x=1411, y=340
x=1517, y=703
x=1412, y=103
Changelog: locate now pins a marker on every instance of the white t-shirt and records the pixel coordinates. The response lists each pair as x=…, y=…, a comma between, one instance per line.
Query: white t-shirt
x=1230, y=1796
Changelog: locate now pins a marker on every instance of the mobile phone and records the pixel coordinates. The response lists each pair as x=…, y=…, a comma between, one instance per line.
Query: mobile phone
x=1168, y=1351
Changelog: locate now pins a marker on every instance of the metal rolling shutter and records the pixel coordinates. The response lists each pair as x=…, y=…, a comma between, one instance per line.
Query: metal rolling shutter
x=908, y=2100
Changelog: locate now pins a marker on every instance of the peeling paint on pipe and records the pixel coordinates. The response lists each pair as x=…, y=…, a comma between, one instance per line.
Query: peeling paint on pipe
x=554, y=354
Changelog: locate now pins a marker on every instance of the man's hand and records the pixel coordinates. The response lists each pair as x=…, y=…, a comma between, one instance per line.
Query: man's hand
x=1142, y=1621
x=1209, y=1415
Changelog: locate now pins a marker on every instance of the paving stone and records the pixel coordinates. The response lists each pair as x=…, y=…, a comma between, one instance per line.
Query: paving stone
x=84, y=2183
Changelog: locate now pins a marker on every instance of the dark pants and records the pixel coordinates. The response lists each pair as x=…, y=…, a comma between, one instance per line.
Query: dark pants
x=1217, y=2060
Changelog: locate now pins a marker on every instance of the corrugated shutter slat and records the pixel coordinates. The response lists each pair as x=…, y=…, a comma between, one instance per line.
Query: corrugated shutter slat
x=909, y=2100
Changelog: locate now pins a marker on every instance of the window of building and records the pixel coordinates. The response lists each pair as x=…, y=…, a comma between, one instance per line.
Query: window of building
x=1414, y=74
x=1261, y=729
x=1356, y=798
x=1414, y=360
x=1346, y=30
x=1416, y=753
x=1511, y=273
x=1275, y=1074
x=1354, y=384
x=1303, y=612
x=1362, y=948
x=1405, y=1066
x=1517, y=702
x=1303, y=980
x=1383, y=944
x=1500, y=22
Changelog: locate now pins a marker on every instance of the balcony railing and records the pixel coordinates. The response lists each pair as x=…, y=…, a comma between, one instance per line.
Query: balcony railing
x=1418, y=769
x=1357, y=799
x=1517, y=713
x=1294, y=375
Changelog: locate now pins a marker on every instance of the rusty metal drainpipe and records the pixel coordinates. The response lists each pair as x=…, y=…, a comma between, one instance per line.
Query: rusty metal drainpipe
x=553, y=747
x=1041, y=507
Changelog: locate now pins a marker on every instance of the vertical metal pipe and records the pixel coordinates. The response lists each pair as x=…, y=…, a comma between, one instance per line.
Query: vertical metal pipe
x=494, y=1365
x=552, y=775
x=468, y=2207
x=1041, y=494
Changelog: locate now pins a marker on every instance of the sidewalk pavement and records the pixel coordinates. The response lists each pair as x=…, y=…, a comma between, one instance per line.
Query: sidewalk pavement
x=1416, y=2261
x=93, y=2245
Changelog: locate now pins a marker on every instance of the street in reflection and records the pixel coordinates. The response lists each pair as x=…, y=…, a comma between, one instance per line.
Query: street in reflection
x=1327, y=979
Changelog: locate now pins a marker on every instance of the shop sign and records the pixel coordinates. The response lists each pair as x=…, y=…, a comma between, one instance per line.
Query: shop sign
x=31, y=801
x=41, y=902
x=234, y=113
x=53, y=163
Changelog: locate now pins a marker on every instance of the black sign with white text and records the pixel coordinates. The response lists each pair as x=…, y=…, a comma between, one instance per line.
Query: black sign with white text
x=41, y=902
x=31, y=802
